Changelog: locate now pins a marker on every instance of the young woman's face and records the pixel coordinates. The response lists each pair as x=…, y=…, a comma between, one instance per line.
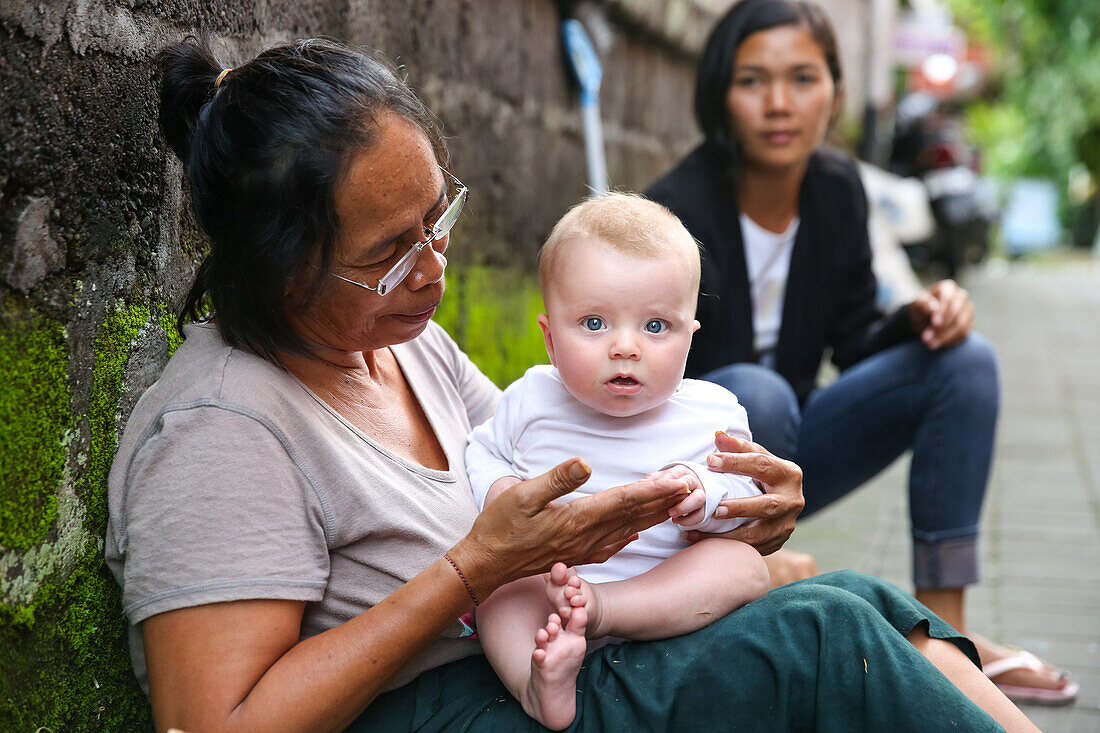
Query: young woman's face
x=781, y=97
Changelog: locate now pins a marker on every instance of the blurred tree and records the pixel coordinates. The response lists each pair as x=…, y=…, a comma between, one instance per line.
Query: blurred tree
x=1043, y=117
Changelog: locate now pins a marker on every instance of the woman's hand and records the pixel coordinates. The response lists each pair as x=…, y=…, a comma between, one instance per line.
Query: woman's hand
x=521, y=532
x=943, y=315
x=775, y=509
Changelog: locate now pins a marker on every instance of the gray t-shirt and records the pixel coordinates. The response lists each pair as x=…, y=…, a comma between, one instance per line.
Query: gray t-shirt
x=233, y=481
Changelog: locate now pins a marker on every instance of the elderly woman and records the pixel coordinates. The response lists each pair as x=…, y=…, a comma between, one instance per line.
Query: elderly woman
x=290, y=519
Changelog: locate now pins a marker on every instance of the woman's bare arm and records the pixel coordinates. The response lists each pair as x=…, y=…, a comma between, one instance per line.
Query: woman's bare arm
x=238, y=666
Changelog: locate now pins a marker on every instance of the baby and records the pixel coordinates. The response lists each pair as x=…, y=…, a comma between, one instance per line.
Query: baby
x=619, y=276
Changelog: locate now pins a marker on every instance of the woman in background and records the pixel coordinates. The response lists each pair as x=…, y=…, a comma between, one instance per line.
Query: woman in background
x=787, y=274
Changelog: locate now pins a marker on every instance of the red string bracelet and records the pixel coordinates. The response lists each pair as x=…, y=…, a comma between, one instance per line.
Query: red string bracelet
x=469, y=589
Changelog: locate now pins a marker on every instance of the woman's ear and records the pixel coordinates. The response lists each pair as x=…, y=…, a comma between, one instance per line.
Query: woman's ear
x=544, y=324
x=695, y=326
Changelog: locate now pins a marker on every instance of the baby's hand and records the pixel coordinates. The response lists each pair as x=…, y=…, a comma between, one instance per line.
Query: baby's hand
x=690, y=510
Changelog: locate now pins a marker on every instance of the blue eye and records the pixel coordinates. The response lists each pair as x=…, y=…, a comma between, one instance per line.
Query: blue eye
x=592, y=323
x=656, y=326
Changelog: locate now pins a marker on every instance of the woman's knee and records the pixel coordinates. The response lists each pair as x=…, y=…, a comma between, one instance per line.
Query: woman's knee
x=975, y=354
x=826, y=605
x=972, y=368
x=771, y=404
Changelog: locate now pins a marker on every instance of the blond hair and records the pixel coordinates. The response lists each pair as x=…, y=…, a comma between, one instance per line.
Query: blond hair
x=627, y=223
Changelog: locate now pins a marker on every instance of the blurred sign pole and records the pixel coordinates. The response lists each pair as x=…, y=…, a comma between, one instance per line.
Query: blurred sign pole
x=585, y=65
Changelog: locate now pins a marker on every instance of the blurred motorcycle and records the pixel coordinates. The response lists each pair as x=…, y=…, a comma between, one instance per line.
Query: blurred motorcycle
x=931, y=146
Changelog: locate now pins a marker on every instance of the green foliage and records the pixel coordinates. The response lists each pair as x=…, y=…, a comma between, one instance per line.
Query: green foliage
x=34, y=418
x=491, y=312
x=65, y=656
x=1046, y=119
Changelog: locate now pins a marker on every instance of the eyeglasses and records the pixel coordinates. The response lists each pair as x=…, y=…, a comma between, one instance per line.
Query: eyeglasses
x=440, y=229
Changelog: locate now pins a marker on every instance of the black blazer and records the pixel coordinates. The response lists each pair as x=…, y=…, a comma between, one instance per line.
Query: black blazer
x=830, y=297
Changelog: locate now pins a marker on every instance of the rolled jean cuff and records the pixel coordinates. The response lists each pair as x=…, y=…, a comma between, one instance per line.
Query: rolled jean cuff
x=946, y=563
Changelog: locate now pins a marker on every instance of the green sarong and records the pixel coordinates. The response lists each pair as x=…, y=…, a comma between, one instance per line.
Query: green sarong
x=824, y=654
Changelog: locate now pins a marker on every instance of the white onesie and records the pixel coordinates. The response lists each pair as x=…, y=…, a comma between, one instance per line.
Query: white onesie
x=538, y=425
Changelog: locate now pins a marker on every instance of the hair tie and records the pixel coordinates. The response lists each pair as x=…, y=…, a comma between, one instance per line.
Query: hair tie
x=221, y=76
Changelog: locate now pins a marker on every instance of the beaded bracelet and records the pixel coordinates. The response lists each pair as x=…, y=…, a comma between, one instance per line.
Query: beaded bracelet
x=469, y=589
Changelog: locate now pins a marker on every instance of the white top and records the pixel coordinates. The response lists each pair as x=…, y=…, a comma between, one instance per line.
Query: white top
x=768, y=260
x=538, y=425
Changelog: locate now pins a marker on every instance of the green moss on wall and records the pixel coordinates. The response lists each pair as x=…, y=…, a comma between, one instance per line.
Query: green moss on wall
x=34, y=417
x=112, y=349
x=167, y=320
x=65, y=657
x=71, y=670
x=491, y=312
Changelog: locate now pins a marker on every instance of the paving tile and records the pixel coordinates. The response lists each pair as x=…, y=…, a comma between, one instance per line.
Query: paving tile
x=1063, y=720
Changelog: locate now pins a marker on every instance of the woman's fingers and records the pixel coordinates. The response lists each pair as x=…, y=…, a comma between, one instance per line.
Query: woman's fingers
x=921, y=311
x=952, y=318
x=765, y=535
x=727, y=443
x=961, y=322
x=765, y=506
x=562, y=479
x=618, y=514
x=637, y=499
x=774, y=511
x=768, y=470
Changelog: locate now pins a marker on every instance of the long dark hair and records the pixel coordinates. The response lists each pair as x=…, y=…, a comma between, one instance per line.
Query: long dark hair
x=716, y=64
x=263, y=152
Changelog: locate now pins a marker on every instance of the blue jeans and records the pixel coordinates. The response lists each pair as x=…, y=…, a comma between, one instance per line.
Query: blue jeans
x=941, y=404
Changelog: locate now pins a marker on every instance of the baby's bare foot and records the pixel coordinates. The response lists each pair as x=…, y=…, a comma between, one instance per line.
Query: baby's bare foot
x=551, y=695
x=565, y=591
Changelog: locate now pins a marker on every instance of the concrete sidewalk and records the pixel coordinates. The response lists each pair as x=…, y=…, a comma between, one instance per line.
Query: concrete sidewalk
x=1041, y=525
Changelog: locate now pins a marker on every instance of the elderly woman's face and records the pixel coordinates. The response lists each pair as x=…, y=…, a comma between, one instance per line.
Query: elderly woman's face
x=391, y=194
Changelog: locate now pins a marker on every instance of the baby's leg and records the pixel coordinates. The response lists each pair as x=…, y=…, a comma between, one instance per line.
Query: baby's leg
x=536, y=657
x=698, y=585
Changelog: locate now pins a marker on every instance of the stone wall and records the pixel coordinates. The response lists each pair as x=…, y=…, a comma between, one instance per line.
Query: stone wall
x=97, y=249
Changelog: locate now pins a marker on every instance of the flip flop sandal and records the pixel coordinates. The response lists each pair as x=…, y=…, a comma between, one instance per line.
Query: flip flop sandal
x=1025, y=693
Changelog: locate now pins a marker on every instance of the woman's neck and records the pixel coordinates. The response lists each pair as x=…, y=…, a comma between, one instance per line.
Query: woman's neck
x=769, y=196
x=338, y=371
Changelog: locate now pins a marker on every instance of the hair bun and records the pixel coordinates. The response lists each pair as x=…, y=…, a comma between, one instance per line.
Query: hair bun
x=187, y=73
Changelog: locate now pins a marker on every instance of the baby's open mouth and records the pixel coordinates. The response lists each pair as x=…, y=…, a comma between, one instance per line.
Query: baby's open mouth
x=624, y=381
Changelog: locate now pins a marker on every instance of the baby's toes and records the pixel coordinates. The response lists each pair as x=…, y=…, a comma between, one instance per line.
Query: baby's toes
x=575, y=596
x=559, y=573
x=553, y=626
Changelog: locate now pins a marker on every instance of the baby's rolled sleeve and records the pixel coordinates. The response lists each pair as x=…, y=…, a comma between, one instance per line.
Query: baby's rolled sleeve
x=216, y=510
x=722, y=486
x=718, y=487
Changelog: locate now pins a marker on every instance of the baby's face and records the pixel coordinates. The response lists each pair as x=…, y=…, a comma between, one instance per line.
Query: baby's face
x=618, y=327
